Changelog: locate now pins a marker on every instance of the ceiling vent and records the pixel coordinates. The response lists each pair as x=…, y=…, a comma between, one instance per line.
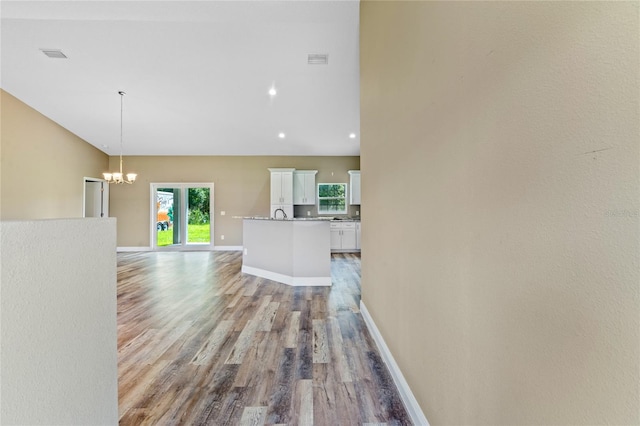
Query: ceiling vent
x=54, y=53
x=318, y=59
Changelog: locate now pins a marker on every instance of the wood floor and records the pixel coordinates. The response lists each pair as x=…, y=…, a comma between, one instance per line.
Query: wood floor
x=200, y=343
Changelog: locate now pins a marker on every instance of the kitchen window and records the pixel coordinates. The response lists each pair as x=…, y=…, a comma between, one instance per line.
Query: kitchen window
x=332, y=198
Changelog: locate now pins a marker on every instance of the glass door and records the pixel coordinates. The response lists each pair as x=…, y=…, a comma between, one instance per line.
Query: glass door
x=182, y=216
x=198, y=215
x=168, y=217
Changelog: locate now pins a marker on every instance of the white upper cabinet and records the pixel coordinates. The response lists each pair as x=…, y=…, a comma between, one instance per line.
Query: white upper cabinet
x=304, y=187
x=354, y=196
x=282, y=186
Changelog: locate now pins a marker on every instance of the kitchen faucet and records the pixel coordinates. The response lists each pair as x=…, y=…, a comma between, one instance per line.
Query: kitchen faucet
x=276, y=211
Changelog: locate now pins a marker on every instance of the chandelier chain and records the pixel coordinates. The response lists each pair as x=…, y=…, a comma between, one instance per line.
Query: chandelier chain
x=120, y=177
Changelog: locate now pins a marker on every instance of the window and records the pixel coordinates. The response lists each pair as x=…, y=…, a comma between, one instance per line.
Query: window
x=332, y=198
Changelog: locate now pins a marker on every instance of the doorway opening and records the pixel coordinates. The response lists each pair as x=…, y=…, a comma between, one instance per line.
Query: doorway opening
x=95, y=198
x=182, y=216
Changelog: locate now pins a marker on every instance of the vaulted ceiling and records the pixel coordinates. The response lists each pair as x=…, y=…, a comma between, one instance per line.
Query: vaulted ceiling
x=196, y=74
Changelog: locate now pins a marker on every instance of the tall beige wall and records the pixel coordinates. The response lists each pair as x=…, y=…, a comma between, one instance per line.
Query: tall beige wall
x=241, y=188
x=511, y=130
x=42, y=165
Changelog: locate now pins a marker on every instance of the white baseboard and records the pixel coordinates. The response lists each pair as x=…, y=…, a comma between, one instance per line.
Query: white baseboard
x=227, y=248
x=413, y=408
x=190, y=248
x=124, y=249
x=286, y=279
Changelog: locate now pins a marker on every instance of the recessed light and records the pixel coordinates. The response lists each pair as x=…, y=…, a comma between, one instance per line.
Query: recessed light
x=352, y=135
x=281, y=135
x=272, y=91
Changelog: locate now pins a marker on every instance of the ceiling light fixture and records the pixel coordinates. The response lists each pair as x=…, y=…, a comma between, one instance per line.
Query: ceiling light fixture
x=272, y=91
x=117, y=177
x=352, y=135
x=281, y=135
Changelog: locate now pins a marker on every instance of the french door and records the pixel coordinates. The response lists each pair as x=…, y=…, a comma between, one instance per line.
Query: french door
x=181, y=216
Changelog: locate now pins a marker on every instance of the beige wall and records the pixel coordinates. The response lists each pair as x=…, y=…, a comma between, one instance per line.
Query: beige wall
x=42, y=165
x=241, y=188
x=511, y=129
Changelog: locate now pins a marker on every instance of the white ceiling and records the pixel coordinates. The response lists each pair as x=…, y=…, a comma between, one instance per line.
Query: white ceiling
x=196, y=73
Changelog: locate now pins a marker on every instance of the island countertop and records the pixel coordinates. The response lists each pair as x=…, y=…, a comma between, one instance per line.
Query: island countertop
x=293, y=219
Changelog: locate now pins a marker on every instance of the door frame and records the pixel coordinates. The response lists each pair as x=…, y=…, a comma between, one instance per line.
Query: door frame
x=184, y=245
x=104, y=199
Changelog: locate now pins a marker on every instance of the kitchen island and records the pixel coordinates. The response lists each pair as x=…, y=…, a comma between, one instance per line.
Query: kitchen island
x=291, y=251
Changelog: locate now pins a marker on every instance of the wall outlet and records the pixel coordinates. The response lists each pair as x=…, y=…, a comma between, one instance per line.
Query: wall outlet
x=357, y=212
x=222, y=237
x=308, y=212
x=222, y=213
x=245, y=252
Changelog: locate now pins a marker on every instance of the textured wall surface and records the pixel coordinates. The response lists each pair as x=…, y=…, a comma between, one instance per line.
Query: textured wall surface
x=42, y=165
x=58, y=359
x=511, y=129
x=242, y=188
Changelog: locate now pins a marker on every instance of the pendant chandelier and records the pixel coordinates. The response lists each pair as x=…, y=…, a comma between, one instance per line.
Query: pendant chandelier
x=118, y=177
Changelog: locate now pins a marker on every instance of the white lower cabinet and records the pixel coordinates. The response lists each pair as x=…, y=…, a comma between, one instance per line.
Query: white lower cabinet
x=358, y=235
x=343, y=236
x=336, y=239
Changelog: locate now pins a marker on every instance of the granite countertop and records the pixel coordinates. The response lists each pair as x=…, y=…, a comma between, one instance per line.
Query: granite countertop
x=323, y=219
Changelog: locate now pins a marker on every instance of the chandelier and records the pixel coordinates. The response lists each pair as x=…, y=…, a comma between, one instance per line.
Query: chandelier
x=118, y=177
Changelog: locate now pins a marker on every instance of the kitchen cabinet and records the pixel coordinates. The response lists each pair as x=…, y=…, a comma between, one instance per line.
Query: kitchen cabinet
x=282, y=190
x=354, y=196
x=343, y=236
x=304, y=187
x=281, y=186
x=358, y=235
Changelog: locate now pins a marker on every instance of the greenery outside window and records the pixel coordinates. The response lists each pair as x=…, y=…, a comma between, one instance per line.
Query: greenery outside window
x=332, y=198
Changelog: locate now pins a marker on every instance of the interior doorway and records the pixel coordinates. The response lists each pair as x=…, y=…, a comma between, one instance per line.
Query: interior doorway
x=95, y=198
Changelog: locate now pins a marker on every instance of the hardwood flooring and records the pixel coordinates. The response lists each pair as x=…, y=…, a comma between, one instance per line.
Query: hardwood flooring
x=200, y=343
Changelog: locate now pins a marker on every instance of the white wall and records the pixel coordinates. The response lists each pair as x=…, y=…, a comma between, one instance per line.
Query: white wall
x=58, y=356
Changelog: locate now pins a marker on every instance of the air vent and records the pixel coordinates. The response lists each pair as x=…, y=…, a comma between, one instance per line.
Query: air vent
x=54, y=53
x=318, y=59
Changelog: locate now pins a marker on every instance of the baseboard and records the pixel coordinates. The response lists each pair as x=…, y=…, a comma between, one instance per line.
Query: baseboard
x=410, y=402
x=227, y=248
x=190, y=248
x=286, y=279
